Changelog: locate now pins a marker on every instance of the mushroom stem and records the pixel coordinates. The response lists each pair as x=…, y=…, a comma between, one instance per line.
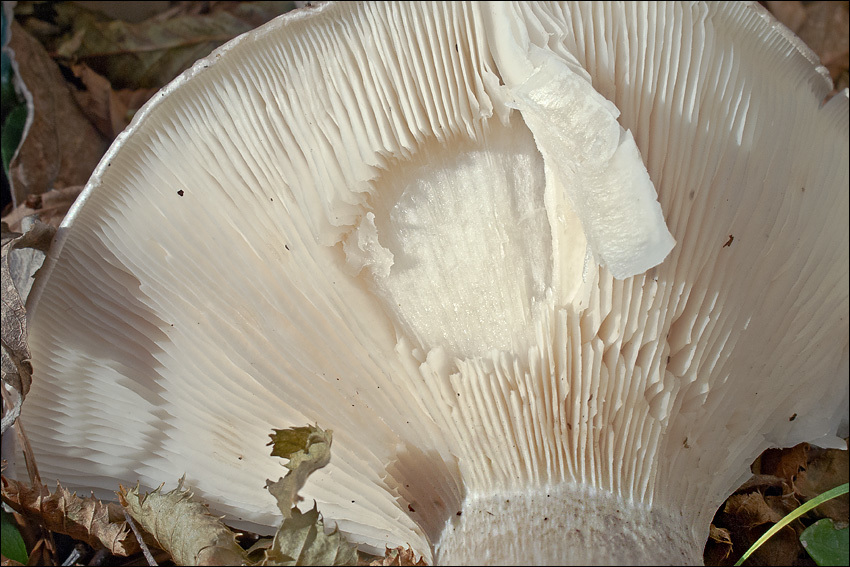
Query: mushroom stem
x=565, y=524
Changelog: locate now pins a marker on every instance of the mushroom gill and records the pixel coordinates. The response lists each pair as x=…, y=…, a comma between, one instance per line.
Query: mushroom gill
x=446, y=231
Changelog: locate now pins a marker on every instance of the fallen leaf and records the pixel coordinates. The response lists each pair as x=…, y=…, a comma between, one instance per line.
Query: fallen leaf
x=21, y=256
x=308, y=449
x=825, y=31
x=301, y=540
x=150, y=53
x=51, y=207
x=751, y=510
x=747, y=517
x=85, y=519
x=718, y=547
x=398, y=556
x=183, y=527
x=826, y=542
x=782, y=548
x=785, y=463
x=109, y=110
x=791, y=13
x=60, y=147
x=826, y=469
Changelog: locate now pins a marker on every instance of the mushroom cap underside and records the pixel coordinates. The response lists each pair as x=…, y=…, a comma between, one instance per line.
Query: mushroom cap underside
x=360, y=216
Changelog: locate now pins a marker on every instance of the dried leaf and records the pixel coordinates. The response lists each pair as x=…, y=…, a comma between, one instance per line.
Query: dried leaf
x=791, y=13
x=749, y=516
x=308, y=449
x=751, y=510
x=781, y=549
x=762, y=482
x=825, y=31
x=399, y=556
x=301, y=540
x=85, y=519
x=826, y=469
x=109, y=110
x=720, y=535
x=51, y=207
x=21, y=256
x=823, y=27
x=719, y=546
x=785, y=463
x=150, y=53
x=60, y=147
x=183, y=527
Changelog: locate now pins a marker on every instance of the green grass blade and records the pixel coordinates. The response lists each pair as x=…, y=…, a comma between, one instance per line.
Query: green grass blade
x=814, y=502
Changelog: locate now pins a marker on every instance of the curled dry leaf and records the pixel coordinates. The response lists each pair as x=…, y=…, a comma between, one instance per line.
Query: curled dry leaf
x=85, y=519
x=719, y=543
x=825, y=31
x=21, y=256
x=108, y=109
x=60, y=147
x=51, y=207
x=183, y=527
x=748, y=516
x=308, y=449
x=150, y=53
x=301, y=540
x=823, y=27
x=826, y=469
x=399, y=556
x=785, y=463
x=751, y=510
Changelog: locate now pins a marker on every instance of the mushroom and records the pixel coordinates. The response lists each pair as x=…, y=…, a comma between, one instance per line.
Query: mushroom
x=446, y=232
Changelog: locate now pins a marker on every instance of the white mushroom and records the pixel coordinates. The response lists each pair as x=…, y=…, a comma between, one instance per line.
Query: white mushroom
x=430, y=228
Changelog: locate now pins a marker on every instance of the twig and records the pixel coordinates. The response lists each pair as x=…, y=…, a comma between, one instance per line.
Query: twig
x=35, y=481
x=99, y=558
x=75, y=555
x=29, y=458
x=142, y=544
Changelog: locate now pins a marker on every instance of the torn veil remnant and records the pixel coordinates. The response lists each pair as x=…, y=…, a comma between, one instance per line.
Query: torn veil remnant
x=446, y=232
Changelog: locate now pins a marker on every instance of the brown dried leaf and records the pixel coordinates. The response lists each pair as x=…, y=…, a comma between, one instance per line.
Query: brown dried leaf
x=85, y=519
x=782, y=548
x=750, y=510
x=748, y=517
x=51, y=207
x=150, y=53
x=763, y=482
x=825, y=31
x=109, y=110
x=60, y=147
x=718, y=548
x=720, y=535
x=791, y=13
x=398, y=556
x=784, y=505
x=826, y=469
x=183, y=527
x=21, y=256
x=785, y=463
